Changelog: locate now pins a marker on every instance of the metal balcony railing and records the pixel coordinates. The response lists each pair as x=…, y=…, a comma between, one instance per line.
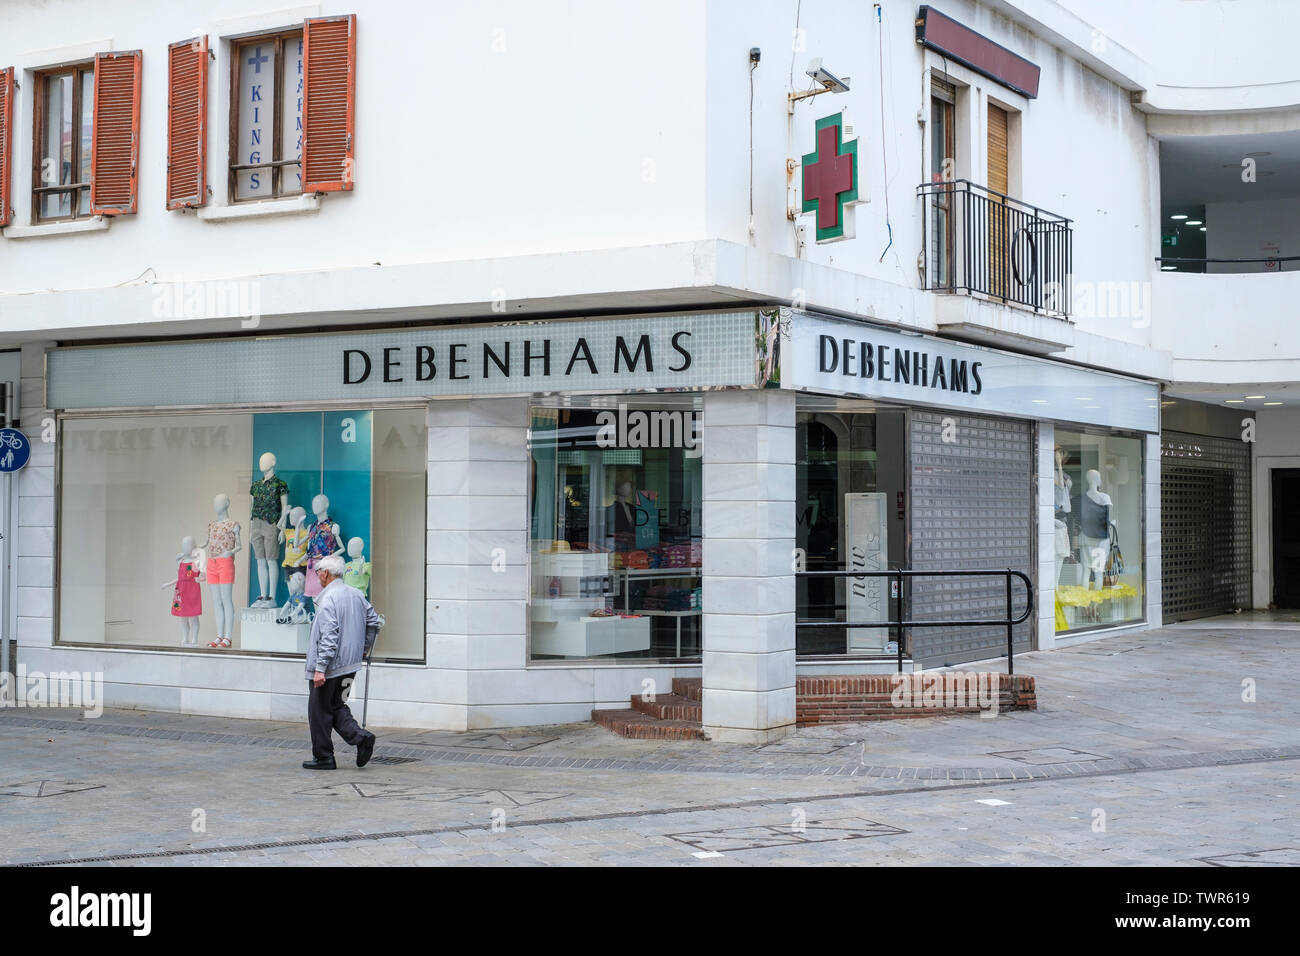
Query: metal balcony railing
x=980, y=242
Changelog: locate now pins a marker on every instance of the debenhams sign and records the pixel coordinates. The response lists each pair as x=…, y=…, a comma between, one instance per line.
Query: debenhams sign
x=615, y=354
x=849, y=358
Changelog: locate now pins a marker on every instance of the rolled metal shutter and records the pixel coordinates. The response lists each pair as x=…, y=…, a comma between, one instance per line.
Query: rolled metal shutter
x=1205, y=535
x=972, y=508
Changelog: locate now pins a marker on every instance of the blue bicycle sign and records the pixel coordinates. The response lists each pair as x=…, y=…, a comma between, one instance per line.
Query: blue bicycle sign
x=15, y=450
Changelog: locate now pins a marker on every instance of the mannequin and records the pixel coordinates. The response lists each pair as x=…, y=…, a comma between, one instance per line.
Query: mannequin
x=622, y=511
x=295, y=543
x=187, y=598
x=324, y=538
x=222, y=546
x=295, y=609
x=356, y=573
x=1094, y=532
x=270, y=514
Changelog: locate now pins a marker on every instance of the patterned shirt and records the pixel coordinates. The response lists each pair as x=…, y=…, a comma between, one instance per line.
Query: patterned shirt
x=321, y=540
x=221, y=536
x=266, y=498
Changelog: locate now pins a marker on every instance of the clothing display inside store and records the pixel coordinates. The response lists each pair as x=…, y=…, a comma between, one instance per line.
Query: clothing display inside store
x=1098, y=501
x=616, y=535
x=312, y=478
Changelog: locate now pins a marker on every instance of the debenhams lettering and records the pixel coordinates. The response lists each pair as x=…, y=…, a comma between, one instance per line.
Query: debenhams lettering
x=525, y=358
x=901, y=366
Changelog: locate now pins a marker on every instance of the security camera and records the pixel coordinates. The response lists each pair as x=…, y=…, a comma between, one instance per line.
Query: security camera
x=827, y=79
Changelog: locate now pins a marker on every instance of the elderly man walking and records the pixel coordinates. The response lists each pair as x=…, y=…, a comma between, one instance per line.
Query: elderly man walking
x=342, y=633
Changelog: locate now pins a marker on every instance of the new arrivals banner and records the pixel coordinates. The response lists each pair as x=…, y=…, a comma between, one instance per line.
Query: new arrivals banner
x=623, y=353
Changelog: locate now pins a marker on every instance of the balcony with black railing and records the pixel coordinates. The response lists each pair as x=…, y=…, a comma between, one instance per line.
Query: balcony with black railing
x=981, y=243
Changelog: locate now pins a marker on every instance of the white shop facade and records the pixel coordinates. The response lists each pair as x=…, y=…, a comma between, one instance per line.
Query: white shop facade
x=554, y=515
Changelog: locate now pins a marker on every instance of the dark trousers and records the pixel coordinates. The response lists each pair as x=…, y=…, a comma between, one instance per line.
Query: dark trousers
x=327, y=712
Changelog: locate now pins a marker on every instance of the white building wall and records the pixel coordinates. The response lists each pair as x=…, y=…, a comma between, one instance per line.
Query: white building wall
x=1243, y=230
x=482, y=131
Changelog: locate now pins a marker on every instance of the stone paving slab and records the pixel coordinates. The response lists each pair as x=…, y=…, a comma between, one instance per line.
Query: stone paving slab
x=1186, y=770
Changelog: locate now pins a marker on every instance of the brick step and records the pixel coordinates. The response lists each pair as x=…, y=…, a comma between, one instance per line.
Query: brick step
x=692, y=688
x=670, y=707
x=634, y=724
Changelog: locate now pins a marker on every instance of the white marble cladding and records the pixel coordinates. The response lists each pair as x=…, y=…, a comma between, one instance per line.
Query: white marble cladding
x=33, y=592
x=1046, y=597
x=749, y=595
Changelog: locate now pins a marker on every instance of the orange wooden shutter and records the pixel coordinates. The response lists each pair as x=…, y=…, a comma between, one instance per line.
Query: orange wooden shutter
x=6, y=129
x=998, y=228
x=997, y=149
x=328, y=103
x=187, y=123
x=115, y=139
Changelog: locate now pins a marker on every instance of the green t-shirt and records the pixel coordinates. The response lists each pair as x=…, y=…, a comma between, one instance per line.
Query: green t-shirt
x=266, y=499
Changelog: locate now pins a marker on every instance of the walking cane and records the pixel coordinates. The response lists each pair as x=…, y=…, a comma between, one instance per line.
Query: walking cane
x=365, y=703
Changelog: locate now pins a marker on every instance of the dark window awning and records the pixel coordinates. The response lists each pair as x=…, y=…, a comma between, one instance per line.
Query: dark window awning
x=945, y=35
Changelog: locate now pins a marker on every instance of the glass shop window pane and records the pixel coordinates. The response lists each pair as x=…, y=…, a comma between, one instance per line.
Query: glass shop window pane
x=1098, y=544
x=176, y=530
x=615, y=534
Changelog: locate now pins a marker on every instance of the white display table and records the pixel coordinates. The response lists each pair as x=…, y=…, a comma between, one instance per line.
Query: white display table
x=259, y=632
x=591, y=636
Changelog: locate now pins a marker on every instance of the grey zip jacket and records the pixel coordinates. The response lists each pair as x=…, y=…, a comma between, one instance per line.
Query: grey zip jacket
x=342, y=632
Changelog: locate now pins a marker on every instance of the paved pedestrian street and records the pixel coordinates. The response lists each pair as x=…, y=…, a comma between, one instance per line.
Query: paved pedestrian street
x=1146, y=749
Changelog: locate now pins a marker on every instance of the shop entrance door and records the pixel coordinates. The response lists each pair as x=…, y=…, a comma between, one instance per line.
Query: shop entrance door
x=1286, y=537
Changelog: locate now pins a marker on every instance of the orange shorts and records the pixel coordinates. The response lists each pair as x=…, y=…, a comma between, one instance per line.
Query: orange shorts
x=221, y=570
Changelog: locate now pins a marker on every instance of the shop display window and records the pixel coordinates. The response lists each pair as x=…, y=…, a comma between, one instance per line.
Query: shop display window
x=200, y=530
x=1099, y=535
x=615, y=535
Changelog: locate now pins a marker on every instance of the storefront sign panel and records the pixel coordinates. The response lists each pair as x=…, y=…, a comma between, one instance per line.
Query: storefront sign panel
x=836, y=356
x=671, y=351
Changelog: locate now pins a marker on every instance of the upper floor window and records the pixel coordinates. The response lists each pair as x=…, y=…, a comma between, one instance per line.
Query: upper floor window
x=64, y=106
x=86, y=138
x=266, y=145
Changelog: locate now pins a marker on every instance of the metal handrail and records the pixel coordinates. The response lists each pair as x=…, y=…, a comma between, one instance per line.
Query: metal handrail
x=899, y=623
x=1196, y=259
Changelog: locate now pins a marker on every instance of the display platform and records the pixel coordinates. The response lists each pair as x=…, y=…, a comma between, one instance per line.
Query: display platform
x=259, y=632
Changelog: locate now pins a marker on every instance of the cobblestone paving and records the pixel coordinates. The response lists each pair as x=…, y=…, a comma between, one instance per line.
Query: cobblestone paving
x=1142, y=751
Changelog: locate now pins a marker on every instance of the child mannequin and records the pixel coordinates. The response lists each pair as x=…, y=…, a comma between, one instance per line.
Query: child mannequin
x=356, y=573
x=187, y=598
x=295, y=543
x=295, y=609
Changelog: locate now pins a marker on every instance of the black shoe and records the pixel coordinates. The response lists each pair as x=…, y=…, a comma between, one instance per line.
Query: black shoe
x=365, y=749
x=319, y=764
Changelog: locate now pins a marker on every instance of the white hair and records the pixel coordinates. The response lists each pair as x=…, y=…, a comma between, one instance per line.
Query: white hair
x=333, y=564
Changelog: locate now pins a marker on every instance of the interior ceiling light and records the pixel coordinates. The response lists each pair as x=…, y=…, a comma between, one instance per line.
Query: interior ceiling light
x=1272, y=403
x=1179, y=215
x=1234, y=401
x=1202, y=229
x=1169, y=268
x=1251, y=398
x=1167, y=404
x=1194, y=222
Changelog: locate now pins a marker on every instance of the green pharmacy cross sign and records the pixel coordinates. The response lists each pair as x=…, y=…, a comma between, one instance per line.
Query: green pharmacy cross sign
x=830, y=180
